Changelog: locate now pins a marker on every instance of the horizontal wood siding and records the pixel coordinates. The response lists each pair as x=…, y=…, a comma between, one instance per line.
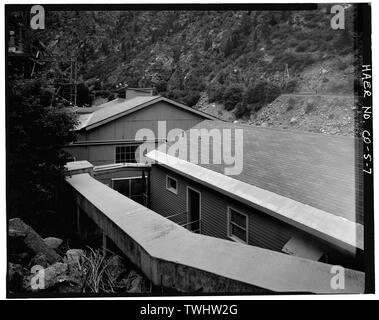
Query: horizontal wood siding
x=162, y=200
x=102, y=154
x=146, y=118
x=125, y=128
x=264, y=231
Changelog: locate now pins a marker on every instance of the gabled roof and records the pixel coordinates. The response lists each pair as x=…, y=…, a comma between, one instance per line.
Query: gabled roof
x=120, y=107
x=315, y=172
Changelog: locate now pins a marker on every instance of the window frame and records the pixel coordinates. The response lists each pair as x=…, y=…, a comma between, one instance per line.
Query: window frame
x=124, y=178
x=174, y=191
x=230, y=222
x=122, y=146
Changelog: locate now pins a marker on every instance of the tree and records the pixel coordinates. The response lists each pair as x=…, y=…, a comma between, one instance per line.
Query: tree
x=38, y=127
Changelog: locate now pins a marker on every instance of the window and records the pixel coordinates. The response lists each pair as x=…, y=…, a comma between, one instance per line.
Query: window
x=131, y=187
x=126, y=154
x=172, y=184
x=237, y=225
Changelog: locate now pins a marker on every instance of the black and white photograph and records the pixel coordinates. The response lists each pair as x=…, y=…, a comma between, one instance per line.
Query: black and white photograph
x=188, y=150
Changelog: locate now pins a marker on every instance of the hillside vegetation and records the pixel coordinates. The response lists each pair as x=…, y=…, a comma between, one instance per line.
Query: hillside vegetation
x=236, y=61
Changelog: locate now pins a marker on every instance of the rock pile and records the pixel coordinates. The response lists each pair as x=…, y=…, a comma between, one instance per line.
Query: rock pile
x=35, y=266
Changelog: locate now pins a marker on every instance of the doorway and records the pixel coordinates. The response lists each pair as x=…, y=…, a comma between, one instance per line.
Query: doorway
x=193, y=210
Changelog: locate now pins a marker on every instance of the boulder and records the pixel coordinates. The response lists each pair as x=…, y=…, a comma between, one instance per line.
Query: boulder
x=53, y=242
x=116, y=268
x=74, y=256
x=32, y=240
x=49, y=277
x=40, y=259
x=135, y=283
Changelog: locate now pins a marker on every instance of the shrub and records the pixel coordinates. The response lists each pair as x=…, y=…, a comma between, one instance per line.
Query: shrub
x=261, y=92
x=221, y=77
x=255, y=93
x=194, y=81
x=207, y=43
x=257, y=106
x=232, y=95
x=215, y=92
x=232, y=42
x=302, y=46
x=241, y=110
x=297, y=62
x=272, y=91
x=112, y=96
x=191, y=98
x=161, y=85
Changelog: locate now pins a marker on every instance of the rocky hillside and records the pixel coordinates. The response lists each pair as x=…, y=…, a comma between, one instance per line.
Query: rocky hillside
x=323, y=103
x=331, y=114
x=232, y=63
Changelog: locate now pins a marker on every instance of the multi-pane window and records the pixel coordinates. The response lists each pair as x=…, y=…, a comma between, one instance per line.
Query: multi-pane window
x=237, y=225
x=126, y=154
x=172, y=184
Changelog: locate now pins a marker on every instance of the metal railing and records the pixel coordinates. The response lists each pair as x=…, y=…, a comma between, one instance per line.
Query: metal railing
x=185, y=223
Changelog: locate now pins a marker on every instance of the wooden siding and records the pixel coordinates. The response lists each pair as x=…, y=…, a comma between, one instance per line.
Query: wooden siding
x=126, y=127
x=264, y=231
x=97, y=154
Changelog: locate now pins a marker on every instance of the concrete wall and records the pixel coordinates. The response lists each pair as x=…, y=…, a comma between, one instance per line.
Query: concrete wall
x=263, y=230
x=172, y=256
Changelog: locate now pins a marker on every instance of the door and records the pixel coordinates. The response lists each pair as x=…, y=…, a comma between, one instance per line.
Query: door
x=193, y=209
